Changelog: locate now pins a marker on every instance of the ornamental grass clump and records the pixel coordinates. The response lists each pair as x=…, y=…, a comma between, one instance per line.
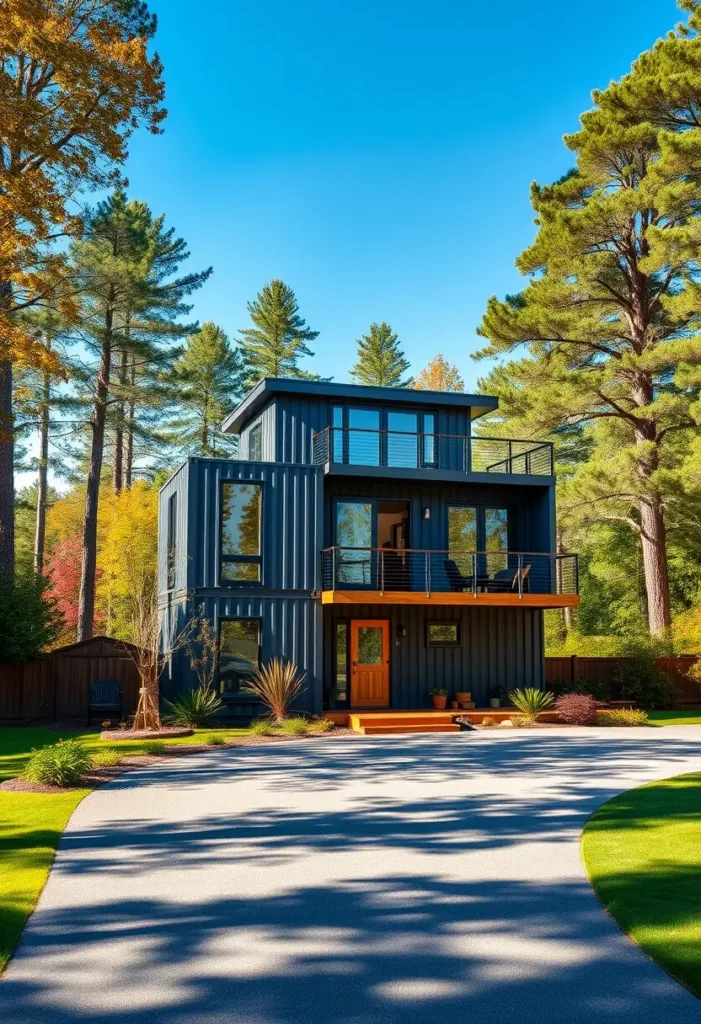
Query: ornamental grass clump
x=262, y=727
x=194, y=708
x=276, y=685
x=576, y=708
x=321, y=725
x=622, y=716
x=107, y=758
x=155, y=747
x=294, y=726
x=531, y=702
x=214, y=739
x=62, y=764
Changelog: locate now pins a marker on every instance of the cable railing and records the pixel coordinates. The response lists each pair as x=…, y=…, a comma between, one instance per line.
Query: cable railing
x=387, y=569
x=355, y=446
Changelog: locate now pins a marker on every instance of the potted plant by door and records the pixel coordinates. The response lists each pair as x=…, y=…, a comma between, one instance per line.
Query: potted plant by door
x=440, y=698
x=494, y=697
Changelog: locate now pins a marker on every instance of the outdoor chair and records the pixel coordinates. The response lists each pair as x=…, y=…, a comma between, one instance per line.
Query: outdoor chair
x=105, y=695
x=506, y=580
x=456, y=579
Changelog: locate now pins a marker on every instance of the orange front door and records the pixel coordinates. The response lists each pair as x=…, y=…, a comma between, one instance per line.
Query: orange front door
x=369, y=663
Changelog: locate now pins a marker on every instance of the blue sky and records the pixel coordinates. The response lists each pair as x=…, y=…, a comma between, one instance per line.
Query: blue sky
x=375, y=155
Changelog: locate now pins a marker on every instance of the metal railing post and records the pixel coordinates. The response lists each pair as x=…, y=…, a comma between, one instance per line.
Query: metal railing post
x=468, y=455
x=427, y=573
x=474, y=574
x=333, y=568
x=520, y=577
x=382, y=571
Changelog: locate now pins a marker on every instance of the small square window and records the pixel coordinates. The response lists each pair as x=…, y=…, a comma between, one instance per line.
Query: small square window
x=443, y=634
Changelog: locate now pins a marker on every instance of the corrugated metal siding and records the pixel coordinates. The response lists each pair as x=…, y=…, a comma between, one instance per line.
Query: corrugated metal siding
x=528, y=508
x=297, y=420
x=291, y=522
x=177, y=485
x=266, y=418
x=500, y=647
x=291, y=628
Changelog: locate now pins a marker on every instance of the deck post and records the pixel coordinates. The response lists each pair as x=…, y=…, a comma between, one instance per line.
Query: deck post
x=474, y=575
x=382, y=572
x=520, y=577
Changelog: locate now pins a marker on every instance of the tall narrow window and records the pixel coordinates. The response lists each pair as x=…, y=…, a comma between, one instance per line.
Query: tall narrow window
x=239, y=653
x=337, y=434
x=402, y=439
x=240, y=532
x=496, y=539
x=462, y=538
x=255, y=443
x=364, y=437
x=341, y=667
x=429, y=439
x=354, y=555
x=172, y=539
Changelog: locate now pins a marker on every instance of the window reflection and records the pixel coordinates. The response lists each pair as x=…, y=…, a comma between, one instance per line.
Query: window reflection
x=402, y=446
x=240, y=531
x=239, y=655
x=354, y=530
x=363, y=437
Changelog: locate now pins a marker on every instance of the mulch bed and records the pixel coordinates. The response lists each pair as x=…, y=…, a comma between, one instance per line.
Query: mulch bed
x=166, y=733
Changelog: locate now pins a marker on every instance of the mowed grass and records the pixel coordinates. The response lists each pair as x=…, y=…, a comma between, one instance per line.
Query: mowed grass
x=642, y=851
x=31, y=824
x=682, y=716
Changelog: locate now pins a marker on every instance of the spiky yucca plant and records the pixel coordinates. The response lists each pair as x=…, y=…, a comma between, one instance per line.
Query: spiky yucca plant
x=531, y=702
x=276, y=685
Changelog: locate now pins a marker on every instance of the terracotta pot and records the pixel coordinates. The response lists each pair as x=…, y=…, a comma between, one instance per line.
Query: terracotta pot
x=453, y=704
x=464, y=704
x=439, y=703
x=463, y=696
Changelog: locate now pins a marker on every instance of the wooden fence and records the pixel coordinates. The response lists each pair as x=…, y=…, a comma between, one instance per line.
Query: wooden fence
x=603, y=670
x=58, y=685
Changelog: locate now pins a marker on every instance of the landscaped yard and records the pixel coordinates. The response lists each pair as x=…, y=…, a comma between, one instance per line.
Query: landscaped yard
x=31, y=824
x=682, y=716
x=642, y=851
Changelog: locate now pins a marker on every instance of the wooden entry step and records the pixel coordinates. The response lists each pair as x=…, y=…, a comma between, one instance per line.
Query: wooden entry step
x=376, y=723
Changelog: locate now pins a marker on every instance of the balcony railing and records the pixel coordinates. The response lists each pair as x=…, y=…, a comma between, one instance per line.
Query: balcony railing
x=443, y=572
x=352, y=446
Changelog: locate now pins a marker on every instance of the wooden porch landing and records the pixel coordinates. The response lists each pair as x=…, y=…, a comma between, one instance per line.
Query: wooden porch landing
x=387, y=723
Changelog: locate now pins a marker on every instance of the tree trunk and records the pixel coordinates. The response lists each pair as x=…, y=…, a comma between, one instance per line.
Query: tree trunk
x=7, y=451
x=129, y=447
x=86, y=600
x=42, y=479
x=654, y=547
x=118, y=465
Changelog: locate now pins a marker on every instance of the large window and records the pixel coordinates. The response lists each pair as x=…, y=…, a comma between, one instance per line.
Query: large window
x=354, y=535
x=239, y=653
x=462, y=528
x=402, y=439
x=172, y=539
x=240, y=532
x=363, y=437
x=496, y=539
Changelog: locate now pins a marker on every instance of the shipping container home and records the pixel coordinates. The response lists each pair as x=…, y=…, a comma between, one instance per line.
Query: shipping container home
x=371, y=536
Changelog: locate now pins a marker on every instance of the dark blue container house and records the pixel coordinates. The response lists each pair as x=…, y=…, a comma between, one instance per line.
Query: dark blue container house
x=369, y=536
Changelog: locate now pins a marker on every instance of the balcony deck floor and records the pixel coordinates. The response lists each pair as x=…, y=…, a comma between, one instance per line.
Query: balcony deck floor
x=454, y=598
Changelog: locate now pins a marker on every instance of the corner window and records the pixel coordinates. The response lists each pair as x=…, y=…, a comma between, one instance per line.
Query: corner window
x=239, y=653
x=443, y=634
x=172, y=540
x=240, y=532
x=255, y=443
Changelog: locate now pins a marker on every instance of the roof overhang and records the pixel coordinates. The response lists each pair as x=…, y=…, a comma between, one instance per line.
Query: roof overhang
x=267, y=388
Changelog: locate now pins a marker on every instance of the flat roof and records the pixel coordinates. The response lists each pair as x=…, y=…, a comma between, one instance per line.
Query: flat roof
x=267, y=388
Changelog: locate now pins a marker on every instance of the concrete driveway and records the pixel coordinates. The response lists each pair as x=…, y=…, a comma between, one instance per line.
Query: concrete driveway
x=413, y=880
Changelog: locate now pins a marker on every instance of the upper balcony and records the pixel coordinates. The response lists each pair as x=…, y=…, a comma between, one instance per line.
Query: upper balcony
x=352, y=450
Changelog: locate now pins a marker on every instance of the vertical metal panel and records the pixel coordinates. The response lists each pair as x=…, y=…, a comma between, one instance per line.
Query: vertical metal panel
x=266, y=419
x=178, y=486
x=291, y=628
x=500, y=647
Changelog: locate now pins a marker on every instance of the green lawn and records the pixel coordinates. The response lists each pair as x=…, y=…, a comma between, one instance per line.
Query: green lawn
x=31, y=823
x=642, y=851
x=680, y=717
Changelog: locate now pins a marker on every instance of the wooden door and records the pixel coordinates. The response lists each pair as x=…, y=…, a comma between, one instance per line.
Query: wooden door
x=369, y=663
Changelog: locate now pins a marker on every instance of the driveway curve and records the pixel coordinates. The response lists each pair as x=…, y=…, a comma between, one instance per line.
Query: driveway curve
x=417, y=879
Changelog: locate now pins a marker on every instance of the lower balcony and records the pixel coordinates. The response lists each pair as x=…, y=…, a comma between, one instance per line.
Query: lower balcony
x=409, y=576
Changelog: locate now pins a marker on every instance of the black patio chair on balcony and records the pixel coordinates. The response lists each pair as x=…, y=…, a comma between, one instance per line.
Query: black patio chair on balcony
x=457, y=581
x=506, y=580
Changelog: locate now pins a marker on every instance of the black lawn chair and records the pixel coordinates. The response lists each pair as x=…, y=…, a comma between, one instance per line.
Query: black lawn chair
x=105, y=695
x=456, y=579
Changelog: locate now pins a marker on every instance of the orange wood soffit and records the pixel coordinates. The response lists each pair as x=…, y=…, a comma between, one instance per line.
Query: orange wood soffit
x=481, y=601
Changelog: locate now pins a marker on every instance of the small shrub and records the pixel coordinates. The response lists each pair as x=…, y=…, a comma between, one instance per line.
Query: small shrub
x=107, y=724
x=531, y=702
x=276, y=685
x=576, y=708
x=488, y=723
x=62, y=764
x=155, y=747
x=124, y=725
x=262, y=727
x=321, y=725
x=521, y=721
x=107, y=758
x=622, y=716
x=194, y=708
x=214, y=739
x=294, y=726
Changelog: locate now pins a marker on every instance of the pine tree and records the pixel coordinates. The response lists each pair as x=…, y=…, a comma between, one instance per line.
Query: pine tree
x=439, y=375
x=209, y=380
x=380, y=361
x=611, y=314
x=276, y=342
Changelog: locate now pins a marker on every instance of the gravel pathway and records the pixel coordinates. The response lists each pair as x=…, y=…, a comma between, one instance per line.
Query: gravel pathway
x=390, y=881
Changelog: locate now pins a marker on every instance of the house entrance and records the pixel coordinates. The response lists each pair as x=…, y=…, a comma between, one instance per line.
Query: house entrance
x=369, y=644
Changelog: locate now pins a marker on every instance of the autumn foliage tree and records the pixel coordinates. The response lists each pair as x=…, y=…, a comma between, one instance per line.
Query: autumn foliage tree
x=439, y=375
x=76, y=79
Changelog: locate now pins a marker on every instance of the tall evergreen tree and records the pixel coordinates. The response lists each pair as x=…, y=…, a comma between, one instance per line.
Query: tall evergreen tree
x=439, y=375
x=124, y=270
x=208, y=380
x=277, y=341
x=380, y=360
x=611, y=315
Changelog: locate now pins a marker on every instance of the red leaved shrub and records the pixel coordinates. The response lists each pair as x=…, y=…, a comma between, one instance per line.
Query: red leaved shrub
x=577, y=708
